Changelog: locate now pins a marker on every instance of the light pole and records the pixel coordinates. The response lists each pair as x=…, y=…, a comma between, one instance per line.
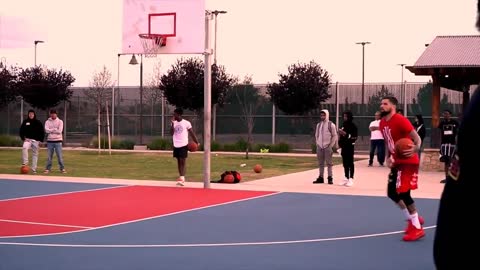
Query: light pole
x=216, y=12
x=113, y=95
x=134, y=61
x=403, y=90
x=214, y=116
x=363, y=43
x=35, y=42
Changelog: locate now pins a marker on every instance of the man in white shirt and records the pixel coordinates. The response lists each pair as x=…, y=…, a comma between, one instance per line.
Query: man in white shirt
x=376, y=141
x=180, y=129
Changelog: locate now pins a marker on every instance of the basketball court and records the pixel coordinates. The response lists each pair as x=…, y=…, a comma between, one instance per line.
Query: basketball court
x=283, y=222
x=74, y=225
x=278, y=223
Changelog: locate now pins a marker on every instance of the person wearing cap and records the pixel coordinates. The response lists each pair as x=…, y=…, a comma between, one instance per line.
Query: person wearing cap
x=54, y=130
x=31, y=133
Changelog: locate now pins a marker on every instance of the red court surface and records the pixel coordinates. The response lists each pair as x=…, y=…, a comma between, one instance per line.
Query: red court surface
x=98, y=208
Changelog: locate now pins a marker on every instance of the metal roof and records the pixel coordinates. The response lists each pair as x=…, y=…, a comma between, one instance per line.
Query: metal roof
x=451, y=51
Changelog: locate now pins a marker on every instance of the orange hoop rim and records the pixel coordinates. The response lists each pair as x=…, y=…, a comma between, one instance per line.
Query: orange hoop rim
x=151, y=36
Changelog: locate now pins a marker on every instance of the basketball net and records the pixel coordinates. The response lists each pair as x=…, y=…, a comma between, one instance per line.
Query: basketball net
x=152, y=43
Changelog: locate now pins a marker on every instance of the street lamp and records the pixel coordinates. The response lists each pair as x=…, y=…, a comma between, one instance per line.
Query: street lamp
x=403, y=90
x=36, y=42
x=216, y=12
x=363, y=43
x=134, y=61
x=214, y=116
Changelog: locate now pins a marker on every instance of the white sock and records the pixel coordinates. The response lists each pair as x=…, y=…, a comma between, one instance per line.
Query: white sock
x=415, y=221
x=182, y=178
x=406, y=213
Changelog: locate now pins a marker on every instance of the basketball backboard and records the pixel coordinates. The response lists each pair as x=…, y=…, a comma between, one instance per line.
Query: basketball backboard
x=170, y=26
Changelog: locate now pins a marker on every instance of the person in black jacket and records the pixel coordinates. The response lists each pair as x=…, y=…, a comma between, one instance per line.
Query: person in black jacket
x=31, y=133
x=449, y=129
x=348, y=135
x=420, y=128
x=457, y=231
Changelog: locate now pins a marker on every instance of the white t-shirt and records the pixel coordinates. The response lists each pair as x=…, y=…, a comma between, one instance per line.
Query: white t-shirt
x=376, y=134
x=180, y=134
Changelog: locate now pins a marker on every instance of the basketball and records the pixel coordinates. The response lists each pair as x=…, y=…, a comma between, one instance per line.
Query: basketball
x=192, y=147
x=229, y=178
x=25, y=169
x=401, y=145
x=257, y=168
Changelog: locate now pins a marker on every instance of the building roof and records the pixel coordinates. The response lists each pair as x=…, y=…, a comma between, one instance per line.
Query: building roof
x=455, y=60
x=451, y=51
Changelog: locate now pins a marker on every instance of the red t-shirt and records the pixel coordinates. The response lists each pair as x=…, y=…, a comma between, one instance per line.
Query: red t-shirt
x=396, y=128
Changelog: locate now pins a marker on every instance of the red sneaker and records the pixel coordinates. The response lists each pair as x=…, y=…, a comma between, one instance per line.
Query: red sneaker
x=410, y=226
x=414, y=234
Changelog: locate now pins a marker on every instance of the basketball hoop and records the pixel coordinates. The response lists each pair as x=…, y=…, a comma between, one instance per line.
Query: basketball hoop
x=152, y=43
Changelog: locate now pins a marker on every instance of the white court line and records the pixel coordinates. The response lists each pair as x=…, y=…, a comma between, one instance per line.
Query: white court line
x=61, y=193
x=44, y=224
x=147, y=218
x=211, y=244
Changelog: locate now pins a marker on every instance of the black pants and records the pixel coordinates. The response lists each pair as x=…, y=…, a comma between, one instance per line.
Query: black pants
x=379, y=145
x=347, y=158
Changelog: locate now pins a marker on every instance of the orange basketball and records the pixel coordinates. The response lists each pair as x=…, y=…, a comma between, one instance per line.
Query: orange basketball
x=257, y=168
x=25, y=169
x=229, y=178
x=401, y=145
x=192, y=147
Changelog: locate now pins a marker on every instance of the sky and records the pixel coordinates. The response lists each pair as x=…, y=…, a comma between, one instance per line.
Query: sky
x=257, y=38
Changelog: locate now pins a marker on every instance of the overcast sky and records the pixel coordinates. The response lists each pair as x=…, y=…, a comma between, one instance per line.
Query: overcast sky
x=258, y=38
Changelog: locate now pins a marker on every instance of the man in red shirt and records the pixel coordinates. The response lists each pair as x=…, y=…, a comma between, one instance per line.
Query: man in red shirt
x=404, y=166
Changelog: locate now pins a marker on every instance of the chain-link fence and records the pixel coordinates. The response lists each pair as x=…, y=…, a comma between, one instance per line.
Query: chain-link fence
x=129, y=118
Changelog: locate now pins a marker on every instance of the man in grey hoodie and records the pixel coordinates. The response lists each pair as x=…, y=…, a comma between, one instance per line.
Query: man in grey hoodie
x=326, y=140
x=54, y=130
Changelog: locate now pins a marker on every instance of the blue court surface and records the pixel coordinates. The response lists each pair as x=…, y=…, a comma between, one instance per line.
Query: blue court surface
x=260, y=231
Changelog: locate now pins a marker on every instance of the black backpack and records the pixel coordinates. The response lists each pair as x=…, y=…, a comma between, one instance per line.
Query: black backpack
x=236, y=177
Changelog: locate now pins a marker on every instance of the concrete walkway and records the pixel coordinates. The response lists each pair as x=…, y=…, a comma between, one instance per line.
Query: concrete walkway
x=369, y=181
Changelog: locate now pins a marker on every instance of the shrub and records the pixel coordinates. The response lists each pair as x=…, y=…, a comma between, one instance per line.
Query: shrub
x=280, y=148
x=160, y=144
x=7, y=140
x=116, y=144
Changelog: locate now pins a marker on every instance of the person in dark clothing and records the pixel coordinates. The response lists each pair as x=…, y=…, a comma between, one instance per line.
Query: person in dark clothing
x=420, y=128
x=448, y=128
x=457, y=232
x=348, y=135
x=31, y=133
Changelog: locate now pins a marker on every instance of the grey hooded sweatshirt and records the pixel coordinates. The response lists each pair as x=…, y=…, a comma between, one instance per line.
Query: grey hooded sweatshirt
x=326, y=133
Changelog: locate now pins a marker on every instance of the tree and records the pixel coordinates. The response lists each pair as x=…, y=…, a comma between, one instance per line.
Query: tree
x=250, y=101
x=7, y=86
x=182, y=85
x=302, y=89
x=44, y=88
x=100, y=92
x=424, y=99
x=375, y=100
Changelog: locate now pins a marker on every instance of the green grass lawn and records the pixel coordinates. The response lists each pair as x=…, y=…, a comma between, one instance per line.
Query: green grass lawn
x=158, y=166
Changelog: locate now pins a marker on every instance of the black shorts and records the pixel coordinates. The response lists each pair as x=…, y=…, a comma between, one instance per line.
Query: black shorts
x=180, y=152
x=446, y=152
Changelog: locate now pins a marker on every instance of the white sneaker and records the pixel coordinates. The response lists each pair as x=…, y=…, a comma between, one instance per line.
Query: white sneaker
x=344, y=182
x=180, y=182
x=349, y=182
